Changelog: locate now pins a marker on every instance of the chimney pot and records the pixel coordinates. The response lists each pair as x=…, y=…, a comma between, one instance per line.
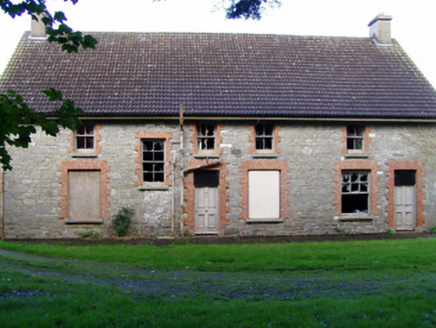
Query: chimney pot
x=380, y=29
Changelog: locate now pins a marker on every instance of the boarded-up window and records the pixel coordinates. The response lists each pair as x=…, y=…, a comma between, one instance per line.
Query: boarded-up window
x=84, y=196
x=264, y=195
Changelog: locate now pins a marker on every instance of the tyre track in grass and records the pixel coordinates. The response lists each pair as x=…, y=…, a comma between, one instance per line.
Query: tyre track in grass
x=148, y=284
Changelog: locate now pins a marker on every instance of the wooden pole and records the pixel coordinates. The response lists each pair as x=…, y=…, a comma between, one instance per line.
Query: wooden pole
x=182, y=184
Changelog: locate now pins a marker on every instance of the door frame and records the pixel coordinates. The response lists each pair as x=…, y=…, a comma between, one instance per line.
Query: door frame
x=400, y=187
x=189, y=196
x=418, y=166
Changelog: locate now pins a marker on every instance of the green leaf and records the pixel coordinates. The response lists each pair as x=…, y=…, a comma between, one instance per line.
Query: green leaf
x=59, y=16
x=53, y=94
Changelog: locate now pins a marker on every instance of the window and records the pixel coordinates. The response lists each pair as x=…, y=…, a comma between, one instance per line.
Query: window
x=263, y=195
x=84, y=191
x=355, y=138
x=85, y=137
x=84, y=195
x=264, y=136
x=264, y=139
x=205, y=137
x=153, y=160
x=355, y=191
x=264, y=190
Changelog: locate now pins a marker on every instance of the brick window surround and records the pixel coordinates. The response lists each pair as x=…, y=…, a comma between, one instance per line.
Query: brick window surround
x=366, y=141
x=166, y=136
x=83, y=165
x=97, y=139
x=374, y=190
x=419, y=185
x=222, y=189
x=193, y=140
x=252, y=140
x=266, y=165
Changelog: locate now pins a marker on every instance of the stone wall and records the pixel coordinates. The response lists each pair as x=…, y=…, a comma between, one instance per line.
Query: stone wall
x=311, y=151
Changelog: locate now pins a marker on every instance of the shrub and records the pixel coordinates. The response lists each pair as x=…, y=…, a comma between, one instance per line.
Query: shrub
x=121, y=221
x=432, y=230
x=391, y=232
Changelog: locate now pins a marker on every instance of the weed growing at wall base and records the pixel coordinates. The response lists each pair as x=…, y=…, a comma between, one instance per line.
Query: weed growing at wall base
x=122, y=220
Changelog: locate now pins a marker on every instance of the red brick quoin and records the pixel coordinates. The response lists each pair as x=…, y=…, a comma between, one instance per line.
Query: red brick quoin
x=83, y=165
x=420, y=184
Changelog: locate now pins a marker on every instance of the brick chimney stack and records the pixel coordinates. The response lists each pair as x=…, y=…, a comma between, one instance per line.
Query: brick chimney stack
x=380, y=29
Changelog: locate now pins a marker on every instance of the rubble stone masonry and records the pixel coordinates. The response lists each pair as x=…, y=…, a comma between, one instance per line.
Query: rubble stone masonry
x=309, y=155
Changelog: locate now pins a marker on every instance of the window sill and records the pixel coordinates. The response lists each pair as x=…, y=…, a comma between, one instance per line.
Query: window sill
x=207, y=155
x=84, y=155
x=355, y=217
x=356, y=155
x=264, y=220
x=91, y=221
x=267, y=155
x=157, y=186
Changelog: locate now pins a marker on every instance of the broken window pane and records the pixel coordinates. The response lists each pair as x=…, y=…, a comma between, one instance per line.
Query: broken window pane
x=355, y=192
x=205, y=136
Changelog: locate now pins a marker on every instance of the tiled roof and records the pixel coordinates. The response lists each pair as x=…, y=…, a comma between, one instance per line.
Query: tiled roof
x=151, y=74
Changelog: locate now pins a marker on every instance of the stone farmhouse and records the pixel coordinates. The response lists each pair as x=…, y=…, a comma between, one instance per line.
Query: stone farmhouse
x=225, y=134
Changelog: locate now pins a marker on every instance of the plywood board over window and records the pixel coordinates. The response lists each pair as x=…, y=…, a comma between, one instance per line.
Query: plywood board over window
x=84, y=191
x=264, y=191
x=84, y=195
x=263, y=195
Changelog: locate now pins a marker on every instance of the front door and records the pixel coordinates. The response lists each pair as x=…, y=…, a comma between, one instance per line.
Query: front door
x=206, y=202
x=405, y=200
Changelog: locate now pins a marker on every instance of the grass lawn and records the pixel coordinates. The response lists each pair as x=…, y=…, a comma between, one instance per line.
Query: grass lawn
x=384, y=283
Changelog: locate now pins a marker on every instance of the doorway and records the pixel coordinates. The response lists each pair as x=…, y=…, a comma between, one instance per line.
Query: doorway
x=206, y=202
x=405, y=200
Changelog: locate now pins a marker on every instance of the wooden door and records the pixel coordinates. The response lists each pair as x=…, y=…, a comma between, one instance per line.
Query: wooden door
x=405, y=209
x=405, y=200
x=84, y=195
x=206, y=200
x=206, y=210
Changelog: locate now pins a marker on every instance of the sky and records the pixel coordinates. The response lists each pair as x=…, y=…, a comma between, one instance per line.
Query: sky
x=413, y=24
